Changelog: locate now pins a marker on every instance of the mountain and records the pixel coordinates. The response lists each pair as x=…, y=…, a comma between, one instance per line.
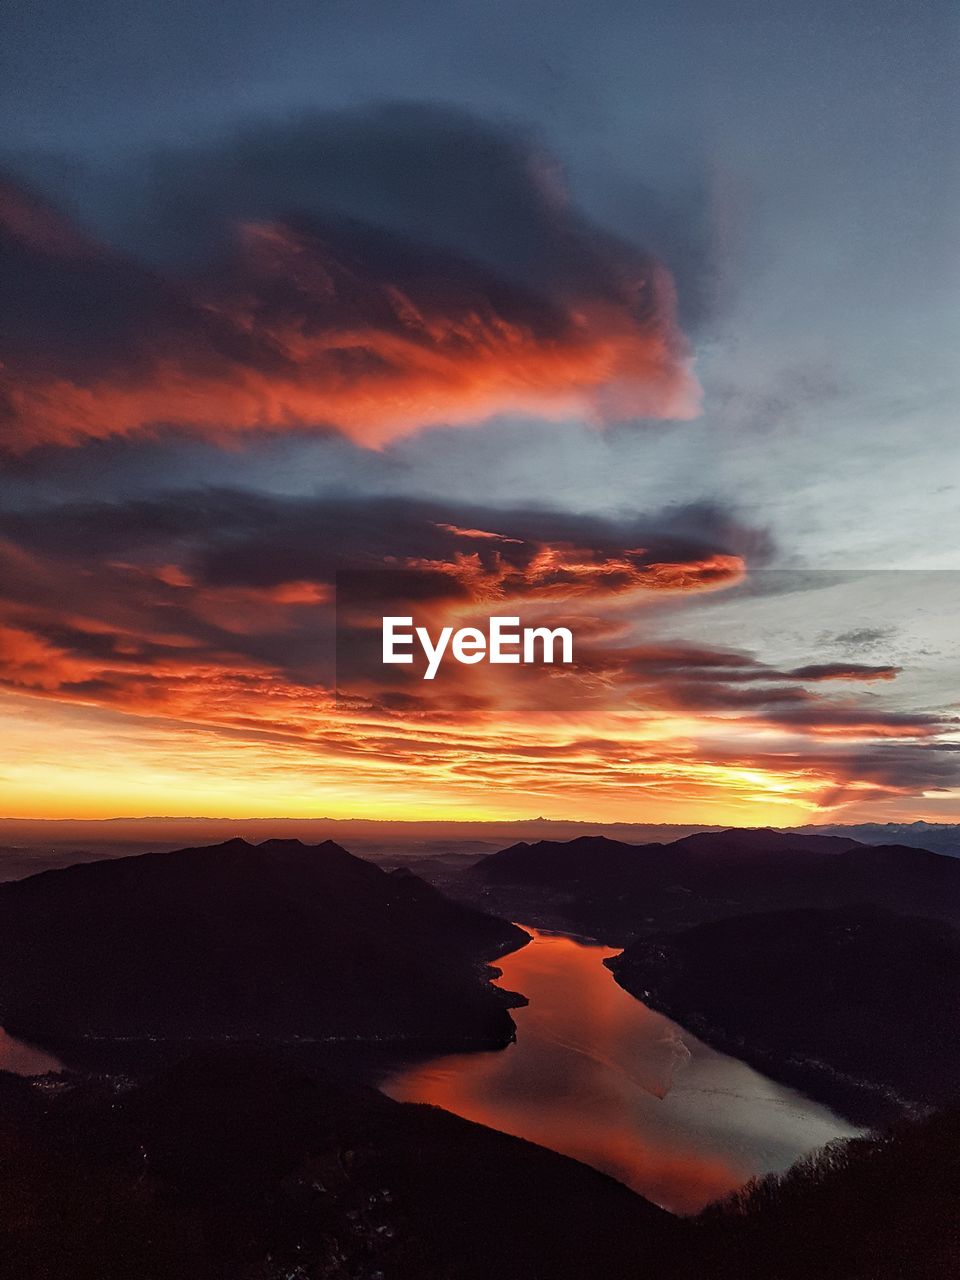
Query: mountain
x=880, y=1207
x=618, y=891
x=239, y=1166
x=279, y=940
x=939, y=837
x=858, y=1007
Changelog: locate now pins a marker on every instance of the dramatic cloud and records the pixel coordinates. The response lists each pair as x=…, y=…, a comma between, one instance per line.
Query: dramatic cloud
x=191, y=637
x=844, y=671
x=219, y=570
x=336, y=276
x=210, y=617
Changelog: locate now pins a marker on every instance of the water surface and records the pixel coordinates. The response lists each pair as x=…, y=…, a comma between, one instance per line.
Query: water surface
x=597, y=1075
x=25, y=1059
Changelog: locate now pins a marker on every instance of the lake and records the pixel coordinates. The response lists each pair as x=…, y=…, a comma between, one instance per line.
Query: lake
x=25, y=1059
x=597, y=1075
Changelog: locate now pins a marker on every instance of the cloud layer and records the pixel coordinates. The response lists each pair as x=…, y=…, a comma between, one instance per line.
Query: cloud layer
x=359, y=276
x=214, y=613
x=251, y=294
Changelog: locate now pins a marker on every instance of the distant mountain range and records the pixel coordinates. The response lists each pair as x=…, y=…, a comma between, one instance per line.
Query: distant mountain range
x=28, y=845
x=940, y=837
x=279, y=941
x=617, y=891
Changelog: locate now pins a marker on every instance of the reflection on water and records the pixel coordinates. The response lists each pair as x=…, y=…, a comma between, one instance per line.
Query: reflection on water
x=24, y=1059
x=597, y=1075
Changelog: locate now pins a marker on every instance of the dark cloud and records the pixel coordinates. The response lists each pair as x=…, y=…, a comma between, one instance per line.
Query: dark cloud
x=844, y=671
x=691, y=663
x=735, y=684
x=426, y=173
x=143, y=592
x=368, y=273
x=138, y=602
x=105, y=596
x=224, y=537
x=217, y=608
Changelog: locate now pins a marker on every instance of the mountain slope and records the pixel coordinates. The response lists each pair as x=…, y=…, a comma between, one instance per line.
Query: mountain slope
x=880, y=1207
x=236, y=1166
x=279, y=940
x=618, y=891
x=858, y=1007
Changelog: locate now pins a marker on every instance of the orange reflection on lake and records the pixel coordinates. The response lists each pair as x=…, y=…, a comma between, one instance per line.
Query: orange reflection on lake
x=597, y=1075
x=24, y=1059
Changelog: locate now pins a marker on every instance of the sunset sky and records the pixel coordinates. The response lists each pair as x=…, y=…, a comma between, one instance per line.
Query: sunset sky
x=639, y=317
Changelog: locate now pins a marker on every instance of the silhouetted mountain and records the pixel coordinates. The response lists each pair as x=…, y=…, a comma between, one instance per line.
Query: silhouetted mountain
x=235, y=1166
x=938, y=837
x=860, y=1008
x=278, y=940
x=881, y=1207
x=592, y=858
x=619, y=891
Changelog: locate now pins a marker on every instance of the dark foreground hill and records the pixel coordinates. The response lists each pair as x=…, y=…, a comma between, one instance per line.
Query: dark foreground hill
x=880, y=1207
x=236, y=1166
x=618, y=891
x=279, y=940
x=860, y=1008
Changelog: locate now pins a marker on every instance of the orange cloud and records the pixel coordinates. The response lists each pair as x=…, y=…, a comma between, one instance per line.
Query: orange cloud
x=305, y=328
x=204, y=631
x=563, y=572
x=28, y=661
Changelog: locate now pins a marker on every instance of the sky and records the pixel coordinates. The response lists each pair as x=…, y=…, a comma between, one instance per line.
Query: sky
x=640, y=316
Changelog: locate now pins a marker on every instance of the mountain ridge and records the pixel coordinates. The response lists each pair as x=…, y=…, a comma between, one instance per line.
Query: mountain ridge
x=280, y=940
x=616, y=890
